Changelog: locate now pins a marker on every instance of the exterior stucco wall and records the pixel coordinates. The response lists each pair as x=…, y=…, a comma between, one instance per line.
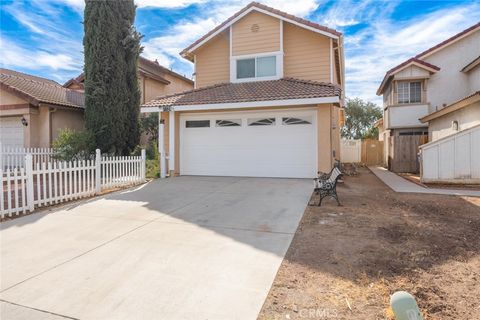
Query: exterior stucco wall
x=7, y=98
x=62, y=119
x=449, y=84
x=474, y=79
x=467, y=117
x=176, y=85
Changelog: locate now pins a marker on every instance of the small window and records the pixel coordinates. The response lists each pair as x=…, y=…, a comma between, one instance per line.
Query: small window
x=290, y=121
x=261, y=122
x=246, y=68
x=266, y=66
x=228, y=123
x=257, y=67
x=409, y=92
x=197, y=123
x=455, y=125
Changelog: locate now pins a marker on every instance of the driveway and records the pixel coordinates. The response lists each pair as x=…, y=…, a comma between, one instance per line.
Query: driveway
x=180, y=248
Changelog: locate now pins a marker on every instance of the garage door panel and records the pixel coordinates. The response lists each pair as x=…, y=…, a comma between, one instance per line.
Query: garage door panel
x=11, y=131
x=265, y=151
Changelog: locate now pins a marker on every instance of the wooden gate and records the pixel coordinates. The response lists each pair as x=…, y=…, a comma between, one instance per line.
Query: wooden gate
x=403, y=153
x=372, y=152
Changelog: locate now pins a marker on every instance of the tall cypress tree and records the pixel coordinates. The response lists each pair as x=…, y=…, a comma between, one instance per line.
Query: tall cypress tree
x=112, y=96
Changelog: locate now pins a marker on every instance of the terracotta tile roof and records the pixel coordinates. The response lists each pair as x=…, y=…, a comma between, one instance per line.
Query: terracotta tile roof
x=266, y=8
x=441, y=44
x=282, y=89
x=148, y=68
x=40, y=90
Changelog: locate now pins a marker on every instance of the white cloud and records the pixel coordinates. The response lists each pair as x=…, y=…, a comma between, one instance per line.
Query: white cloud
x=166, y=3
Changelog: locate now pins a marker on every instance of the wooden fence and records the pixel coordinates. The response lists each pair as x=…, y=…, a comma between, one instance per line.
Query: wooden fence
x=372, y=152
x=45, y=183
x=403, y=153
x=350, y=151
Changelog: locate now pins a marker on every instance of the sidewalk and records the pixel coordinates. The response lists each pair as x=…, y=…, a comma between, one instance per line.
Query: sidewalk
x=399, y=184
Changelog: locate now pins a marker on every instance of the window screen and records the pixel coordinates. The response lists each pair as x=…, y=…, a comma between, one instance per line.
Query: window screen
x=246, y=68
x=266, y=66
x=409, y=92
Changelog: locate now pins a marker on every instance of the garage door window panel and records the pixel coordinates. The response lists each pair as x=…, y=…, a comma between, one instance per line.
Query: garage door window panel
x=295, y=121
x=228, y=123
x=197, y=123
x=261, y=122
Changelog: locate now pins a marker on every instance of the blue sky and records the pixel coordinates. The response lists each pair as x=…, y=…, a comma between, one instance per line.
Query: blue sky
x=44, y=37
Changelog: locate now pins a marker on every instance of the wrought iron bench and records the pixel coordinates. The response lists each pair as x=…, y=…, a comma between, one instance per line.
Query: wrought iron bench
x=326, y=185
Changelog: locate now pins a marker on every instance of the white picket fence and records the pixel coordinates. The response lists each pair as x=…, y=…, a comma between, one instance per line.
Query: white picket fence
x=40, y=184
x=14, y=157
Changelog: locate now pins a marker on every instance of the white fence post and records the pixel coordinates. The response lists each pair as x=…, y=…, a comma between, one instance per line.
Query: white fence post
x=98, y=171
x=143, y=168
x=29, y=180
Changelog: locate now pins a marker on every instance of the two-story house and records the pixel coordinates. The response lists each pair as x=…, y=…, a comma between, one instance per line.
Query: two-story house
x=267, y=101
x=427, y=83
x=33, y=109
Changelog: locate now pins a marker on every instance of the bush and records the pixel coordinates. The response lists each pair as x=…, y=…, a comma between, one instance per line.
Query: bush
x=152, y=168
x=74, y=145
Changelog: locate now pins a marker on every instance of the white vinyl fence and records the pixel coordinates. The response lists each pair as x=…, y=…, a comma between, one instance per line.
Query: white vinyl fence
x=454, y=158
x=40, y=184
x=350, y=151
x=14, y=157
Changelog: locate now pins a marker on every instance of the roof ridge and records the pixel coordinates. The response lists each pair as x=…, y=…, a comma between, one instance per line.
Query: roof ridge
x=54, y=85
x=22, y=75
x=311, y=81
x=444, y=42
x=263, y=7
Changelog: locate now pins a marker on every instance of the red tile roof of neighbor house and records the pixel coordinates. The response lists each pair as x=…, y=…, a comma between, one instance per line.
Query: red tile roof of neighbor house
x=38, y=90
x=265, y=8
x=421, y=55
x=282, y=89
x=146, y=67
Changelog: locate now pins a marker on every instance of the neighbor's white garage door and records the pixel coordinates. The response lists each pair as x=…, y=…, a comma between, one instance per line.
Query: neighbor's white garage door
x=252, y=144
x=11, y=131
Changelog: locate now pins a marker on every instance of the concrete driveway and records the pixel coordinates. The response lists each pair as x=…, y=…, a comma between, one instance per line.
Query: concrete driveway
x=181, y=248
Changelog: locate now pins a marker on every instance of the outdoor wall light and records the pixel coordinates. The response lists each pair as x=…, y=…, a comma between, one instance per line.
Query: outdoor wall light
x=24, y=121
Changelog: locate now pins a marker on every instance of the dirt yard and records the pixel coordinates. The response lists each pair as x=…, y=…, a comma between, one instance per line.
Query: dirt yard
x=345, y=262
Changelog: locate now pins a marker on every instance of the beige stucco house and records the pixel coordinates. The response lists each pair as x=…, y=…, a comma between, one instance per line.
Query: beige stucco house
x=268, y=99
x=428, y=83
x=34, y=109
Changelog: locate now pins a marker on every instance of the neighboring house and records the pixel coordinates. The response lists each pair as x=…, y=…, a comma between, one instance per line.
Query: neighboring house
x=34, y=109
x=427, y=83
x=154, y=81
x=267, y=102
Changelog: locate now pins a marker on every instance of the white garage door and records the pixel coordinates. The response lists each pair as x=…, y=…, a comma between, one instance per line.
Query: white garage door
x=251, y=144
x=11, y=131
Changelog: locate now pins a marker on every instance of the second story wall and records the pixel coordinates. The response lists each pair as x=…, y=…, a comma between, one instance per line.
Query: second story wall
x=299, y=52
x=255, y=33
x=307, y=54
x=212, y=61
x=450, y=84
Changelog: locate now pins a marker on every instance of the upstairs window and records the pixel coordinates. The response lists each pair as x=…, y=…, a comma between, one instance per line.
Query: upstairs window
x=257, y=67
x=409, y=92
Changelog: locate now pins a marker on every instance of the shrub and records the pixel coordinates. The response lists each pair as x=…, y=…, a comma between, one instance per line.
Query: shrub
x=74, y=145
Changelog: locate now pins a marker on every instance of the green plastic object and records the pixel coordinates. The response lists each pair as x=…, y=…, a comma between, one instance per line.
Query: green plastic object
x=404, y=306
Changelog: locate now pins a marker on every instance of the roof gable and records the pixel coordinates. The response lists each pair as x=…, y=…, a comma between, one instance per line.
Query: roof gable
x=410, y=62
x=258, y=7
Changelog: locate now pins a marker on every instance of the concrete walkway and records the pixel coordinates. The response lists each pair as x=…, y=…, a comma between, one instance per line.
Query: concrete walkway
x=180, y=248
x=399, y=184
